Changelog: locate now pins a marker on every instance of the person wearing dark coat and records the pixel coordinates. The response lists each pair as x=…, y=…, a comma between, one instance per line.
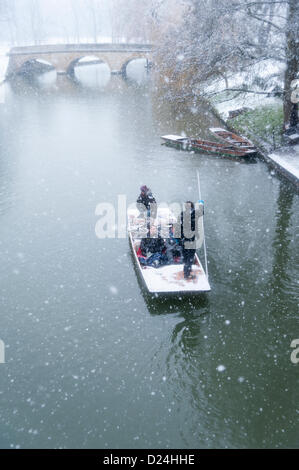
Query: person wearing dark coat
x=188, y=227
x=146, y=202
x=149, y=246
x=173, y=247
x=152, y=249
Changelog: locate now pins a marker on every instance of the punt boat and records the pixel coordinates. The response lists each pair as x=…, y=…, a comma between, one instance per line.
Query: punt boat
x=199, y=145
x=232, y=139
x=166, y=279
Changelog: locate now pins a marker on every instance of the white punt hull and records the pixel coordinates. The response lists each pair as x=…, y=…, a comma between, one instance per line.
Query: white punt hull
x=169, y=279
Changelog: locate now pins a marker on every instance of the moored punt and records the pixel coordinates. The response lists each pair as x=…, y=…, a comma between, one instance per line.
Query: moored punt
x=232, y=139
x=199, y=145
x=169, y=278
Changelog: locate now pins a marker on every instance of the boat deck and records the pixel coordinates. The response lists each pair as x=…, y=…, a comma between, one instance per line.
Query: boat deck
x=168, y=278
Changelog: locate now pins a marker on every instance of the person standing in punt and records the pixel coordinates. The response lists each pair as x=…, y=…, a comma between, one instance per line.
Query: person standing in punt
x=147, y=206
x=146, y=202
x=188, y=237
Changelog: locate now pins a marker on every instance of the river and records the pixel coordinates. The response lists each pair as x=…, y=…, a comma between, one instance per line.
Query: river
x=91, y=360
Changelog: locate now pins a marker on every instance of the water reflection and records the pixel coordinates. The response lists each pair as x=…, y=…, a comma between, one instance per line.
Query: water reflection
x=39, y=85
x=87, y=73
x=137, y=72
x=47, y=80
x=280, y=285
x=93, y=75
x=184, y=304
x=181, y=304
x=193, y=120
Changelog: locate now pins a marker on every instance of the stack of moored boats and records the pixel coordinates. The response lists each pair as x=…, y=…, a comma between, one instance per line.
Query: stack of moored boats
x=233, y=145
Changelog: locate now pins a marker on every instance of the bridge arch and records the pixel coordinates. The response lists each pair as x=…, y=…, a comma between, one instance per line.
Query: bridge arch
x=87, y=59
x=64, y=56
x=131, y=59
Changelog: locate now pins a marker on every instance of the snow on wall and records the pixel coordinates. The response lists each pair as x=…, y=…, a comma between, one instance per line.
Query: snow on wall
x=288, y=159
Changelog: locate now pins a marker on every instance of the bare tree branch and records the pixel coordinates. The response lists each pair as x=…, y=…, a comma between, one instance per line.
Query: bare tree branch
x=264, y=20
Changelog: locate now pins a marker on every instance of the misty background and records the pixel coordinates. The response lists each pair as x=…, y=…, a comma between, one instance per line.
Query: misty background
x=46, y=21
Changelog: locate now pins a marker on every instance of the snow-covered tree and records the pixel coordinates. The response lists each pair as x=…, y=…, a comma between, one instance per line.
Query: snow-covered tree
x=218, y=38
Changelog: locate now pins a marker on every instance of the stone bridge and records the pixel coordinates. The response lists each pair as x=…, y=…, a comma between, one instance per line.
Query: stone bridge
x=64, y=57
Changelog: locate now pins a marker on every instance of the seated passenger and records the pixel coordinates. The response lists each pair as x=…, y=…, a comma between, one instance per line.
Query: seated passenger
x=152, y=249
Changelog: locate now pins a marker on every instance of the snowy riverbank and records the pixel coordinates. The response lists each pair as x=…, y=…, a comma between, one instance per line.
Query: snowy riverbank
x=286, y=161
x=257, y=115
x=262, y=80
